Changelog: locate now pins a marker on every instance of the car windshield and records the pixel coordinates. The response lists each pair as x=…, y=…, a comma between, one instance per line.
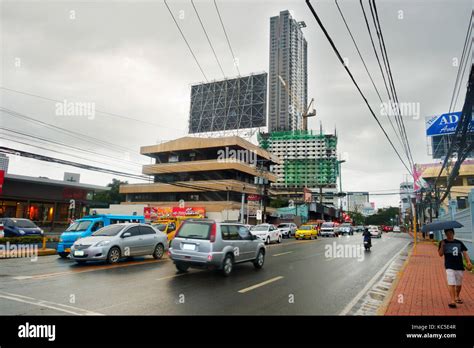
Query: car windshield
x=109, y=231
x=195, y=230
x=24, y=223
x=79, y=226
x=327, y=224
x=283, y=225
x=260, y=228
x=305, y=227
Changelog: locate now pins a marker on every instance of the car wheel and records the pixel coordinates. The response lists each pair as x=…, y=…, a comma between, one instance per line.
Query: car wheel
x=182, y=267
x=279, y=239
x=113, y=255
x=63, y=255
x=267, y=241
x=159, y=251
x=260, y=260
x=227, y=265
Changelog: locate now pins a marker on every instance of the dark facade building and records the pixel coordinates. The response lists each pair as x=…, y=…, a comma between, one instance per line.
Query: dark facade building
x=45, y=201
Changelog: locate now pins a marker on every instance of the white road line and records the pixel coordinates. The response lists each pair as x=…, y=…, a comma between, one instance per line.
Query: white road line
x=47, y=304
x=288, y=252
x=260, y=284
x=22, y=277
x=370, y=283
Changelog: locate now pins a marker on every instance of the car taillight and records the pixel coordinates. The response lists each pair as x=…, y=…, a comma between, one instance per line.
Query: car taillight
x=209, y=257
x=1, y=227
x=212, y=237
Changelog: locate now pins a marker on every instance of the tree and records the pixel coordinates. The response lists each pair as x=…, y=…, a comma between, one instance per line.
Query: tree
x=111, y=196
x=383, y=216
x=357, y=218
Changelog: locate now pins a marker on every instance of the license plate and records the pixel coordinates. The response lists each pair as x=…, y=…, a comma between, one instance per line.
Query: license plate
x=189, y=247
x=68, y=250
x=79, y=253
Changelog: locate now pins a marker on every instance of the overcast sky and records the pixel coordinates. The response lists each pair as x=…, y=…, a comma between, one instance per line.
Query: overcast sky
x=128, y=58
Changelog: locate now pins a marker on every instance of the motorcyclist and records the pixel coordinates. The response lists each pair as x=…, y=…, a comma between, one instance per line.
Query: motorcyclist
x=367, y=237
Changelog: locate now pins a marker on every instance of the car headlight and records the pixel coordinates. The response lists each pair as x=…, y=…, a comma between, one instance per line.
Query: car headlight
x=21, y=232
x=102, y=243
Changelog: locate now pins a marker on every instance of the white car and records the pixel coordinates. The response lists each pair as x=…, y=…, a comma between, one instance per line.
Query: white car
x=396, y=229
x=2, y=234
x=287, y=229
x=267, y=232
x=375, y=231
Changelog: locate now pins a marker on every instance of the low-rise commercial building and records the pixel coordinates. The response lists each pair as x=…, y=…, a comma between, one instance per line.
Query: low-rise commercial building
x=209, y=175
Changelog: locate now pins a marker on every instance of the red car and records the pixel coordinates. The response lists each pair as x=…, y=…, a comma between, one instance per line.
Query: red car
x=387, y=228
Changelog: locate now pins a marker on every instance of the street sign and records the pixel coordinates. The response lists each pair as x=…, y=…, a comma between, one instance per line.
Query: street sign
x=444, y=124
x=259, y=215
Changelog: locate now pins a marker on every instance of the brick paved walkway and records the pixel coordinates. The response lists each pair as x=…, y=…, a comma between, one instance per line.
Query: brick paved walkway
x=423, y=288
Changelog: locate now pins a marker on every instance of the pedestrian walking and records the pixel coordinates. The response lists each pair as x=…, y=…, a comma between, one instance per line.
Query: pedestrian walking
x=453, y=251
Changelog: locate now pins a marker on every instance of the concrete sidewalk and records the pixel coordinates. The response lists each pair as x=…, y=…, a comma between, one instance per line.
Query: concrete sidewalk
x=422, y=288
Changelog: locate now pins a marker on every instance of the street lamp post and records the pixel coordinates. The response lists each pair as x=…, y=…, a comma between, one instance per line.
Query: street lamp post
x=340, y=182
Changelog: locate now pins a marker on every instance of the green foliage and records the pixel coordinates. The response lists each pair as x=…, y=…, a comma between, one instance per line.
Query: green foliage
x=278, y=203
x=383, y=216
x=112, y=196
x=357, y=218
x=22, y=240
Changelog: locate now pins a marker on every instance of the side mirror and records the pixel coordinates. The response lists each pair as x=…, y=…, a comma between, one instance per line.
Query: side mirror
x=126, y=234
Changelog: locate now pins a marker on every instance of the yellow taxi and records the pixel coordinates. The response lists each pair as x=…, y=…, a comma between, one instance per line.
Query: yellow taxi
x=306, y=232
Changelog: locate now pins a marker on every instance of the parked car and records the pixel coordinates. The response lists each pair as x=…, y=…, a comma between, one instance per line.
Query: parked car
x=87, y=225
x=387, y=228
x=13, y=227
x=359, y=228
x=306, y=232
x=396, y=229
x=345, y=228
x=375, y=231
x=213, y=245
x=267, y=232
x=113, y=242
x=328, y=229
x=287, y=229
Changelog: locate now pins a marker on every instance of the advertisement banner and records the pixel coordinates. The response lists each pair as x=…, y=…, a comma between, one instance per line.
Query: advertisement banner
x=443, y=124
x=154, y=213
x=188, y=211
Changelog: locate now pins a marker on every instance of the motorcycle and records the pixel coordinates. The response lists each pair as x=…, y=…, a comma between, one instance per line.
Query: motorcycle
x=367, y=243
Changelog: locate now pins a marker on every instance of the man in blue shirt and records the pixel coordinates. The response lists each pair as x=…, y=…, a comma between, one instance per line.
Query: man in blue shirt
x=453, y=251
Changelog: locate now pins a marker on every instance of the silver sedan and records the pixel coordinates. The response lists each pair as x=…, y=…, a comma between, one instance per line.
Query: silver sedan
x=113, y=242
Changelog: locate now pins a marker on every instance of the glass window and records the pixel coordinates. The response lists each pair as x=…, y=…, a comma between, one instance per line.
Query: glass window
x=195, y=230
x=23, y=223
x=147, y=230
x=79, y=226
x=134, y=231
x=110, y=230
x=244, y=232
x=230, y=232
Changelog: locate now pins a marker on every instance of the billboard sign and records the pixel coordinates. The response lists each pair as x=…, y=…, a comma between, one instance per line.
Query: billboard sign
x=229, y=104
x=443, y=124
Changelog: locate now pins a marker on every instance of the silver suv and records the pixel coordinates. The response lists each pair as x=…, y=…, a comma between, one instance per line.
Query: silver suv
x=208, y=244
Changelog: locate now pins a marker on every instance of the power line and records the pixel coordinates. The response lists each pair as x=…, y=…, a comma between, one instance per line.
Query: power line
x=186, y=41
x=227, y=38
x=355, y=83
x=367, y=70
x=96, y=110
x=208, y=40
x=394, y=91
x=71, y=133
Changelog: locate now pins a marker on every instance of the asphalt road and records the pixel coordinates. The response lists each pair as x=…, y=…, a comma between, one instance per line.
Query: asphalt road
x=299, y=277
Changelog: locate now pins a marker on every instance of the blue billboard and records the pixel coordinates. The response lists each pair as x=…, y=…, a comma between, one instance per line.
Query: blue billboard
x=444, y=124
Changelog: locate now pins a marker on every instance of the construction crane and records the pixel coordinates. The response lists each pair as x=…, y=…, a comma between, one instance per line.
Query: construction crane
x=305, y=111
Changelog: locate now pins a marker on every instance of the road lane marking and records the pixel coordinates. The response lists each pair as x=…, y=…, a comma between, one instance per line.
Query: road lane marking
x=178, y=275
x=250, y=288
x=287, y=252
x=291, y=243
x=47, y=304
x=371, y=282
x=90, y=268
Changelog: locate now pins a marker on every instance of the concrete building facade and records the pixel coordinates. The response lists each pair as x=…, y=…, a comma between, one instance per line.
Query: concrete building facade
x=288, y=73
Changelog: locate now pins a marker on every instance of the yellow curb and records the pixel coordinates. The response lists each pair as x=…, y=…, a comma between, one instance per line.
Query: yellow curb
x=45, y=252
x=384, y=306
